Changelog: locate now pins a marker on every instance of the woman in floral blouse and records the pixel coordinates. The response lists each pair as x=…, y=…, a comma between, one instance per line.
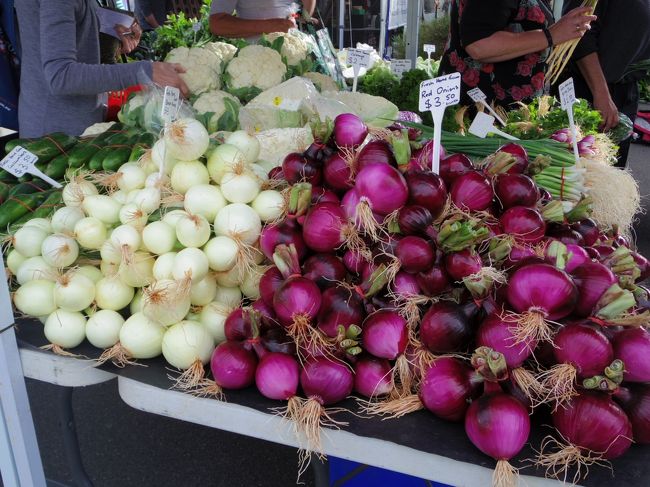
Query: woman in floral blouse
x=501, y=46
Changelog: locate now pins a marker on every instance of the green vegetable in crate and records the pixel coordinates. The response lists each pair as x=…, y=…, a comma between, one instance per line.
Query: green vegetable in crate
x=95, y=162
x=53, y=202
x=56, y=167
x=218, y=110
x=82, y=153
x=17, y=206
x=116, y=157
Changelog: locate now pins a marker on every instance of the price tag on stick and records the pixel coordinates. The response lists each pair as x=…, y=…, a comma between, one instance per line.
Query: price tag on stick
x=477, y=96
x=567, y=99
x=400, y=66
x=357, y=58
x=20, y=162
x=483, y=124
x=429, y=49
x=171, y=99
x=435, y=95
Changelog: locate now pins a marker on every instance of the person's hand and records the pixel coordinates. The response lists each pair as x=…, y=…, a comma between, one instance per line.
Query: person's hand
x=281, y=25
x=167, y=74
x=605, y=105
x=573, y=25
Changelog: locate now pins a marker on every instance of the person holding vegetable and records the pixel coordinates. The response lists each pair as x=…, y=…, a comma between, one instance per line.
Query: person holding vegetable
x=62, y=83
x=254, y=18
x=619, y=38
x=501, y=46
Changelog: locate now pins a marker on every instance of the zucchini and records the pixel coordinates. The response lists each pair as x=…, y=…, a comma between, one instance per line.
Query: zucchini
x=115, y=158
x=137, y=152
x=12, y=144
x=52, y=203
x=4, y=191
x=82, y=153
x=56, y=167
x=17, y=206
x=95, y=162
x=50, y=146
x=28, y=187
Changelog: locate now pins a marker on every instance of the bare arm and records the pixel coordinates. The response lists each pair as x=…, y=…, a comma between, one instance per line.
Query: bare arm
x=309, y=6
x=227, y=25
x=592, y=72
x=151, y=20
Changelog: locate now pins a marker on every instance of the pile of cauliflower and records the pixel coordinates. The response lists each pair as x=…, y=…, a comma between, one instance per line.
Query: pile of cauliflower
x=255, y=67
x=294, y=49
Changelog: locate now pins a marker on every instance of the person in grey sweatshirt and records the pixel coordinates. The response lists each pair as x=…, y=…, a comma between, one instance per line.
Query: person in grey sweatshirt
x=62, y=84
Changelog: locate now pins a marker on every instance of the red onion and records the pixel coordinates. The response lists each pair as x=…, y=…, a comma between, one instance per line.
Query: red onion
x=375, y=152
x=434, y=281
x=408, y=117
x=414, y=254
x=277, y=376
x=337, y=172
x=326, y=381
x=286, y=232
x=325, y=270
x=462, y=264
x=324, y=228
x=644, y=266
x=635, y=401
x=520, y=155
x=354, y=261
x=495, y=334
x=383, y=186
x=415, y=220
x=372, y=377
x=525, y=224
x=238, y=326
x=297, y=168
x=447, y=388
x=339, y=307
x=271, y=280
x=588, y=229
x=428, y=190
x=321, y=195
x=233, y=366
x=385, y=334
x=584, y=347
x=453, y=166
x=632, y=346
x=445, y=328
x=296, y=297
x=405, y=285
x=516, y=190
x=592, y=280
x=349, y=131
x=472, y=191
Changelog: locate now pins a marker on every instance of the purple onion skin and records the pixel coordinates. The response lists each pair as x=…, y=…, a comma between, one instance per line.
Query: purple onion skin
x=375, y=152
x=453, y=166
x=594, y=422
x=413, y=133
x=337, y=173
x=592, y=280
x=277, y=376
x=462, y=264
x=516, y=190
x=297, y=168
x=422, y=158
x=588, y=229
x=276, y=340
x=635, y=400
x=384, y=186
x=233, y=366
x=520, y=154
x=385, y=334
x=525, y=224
x=405, y=285
x=542, y=287
x=632, y=346
x=584, y=347
x=269, y=283
x=339, y=306
x=428, y=190
x=495, y=333
x=445, y=328
x=578, y=256
x=434, y=281
x=643, y=264
x=349, y=131
x=269, y=320
x=372, y=377
x=286, y=232
x=326, y=270
x=447, y=388
x=414, y=220
x=565, y=235
x=320, y=194
x=322, y=228
x=415, y=254
x=237, y=326
x=326, y=381
x=354, y=261
x=296, y=297
x=472, y=191
x=498, y=425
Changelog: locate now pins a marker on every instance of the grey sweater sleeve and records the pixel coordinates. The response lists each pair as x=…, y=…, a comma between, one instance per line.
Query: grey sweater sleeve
x=63, y=74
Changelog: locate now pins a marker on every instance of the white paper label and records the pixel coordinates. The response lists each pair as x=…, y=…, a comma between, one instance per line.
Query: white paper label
x=400, y=66
x=477, y=95
x=358, y=59
x=196, y=26
x=429, y=49
x=567, y=94
x=170, y=103
x=483, y=124
x=19, y=161
x=440, y=92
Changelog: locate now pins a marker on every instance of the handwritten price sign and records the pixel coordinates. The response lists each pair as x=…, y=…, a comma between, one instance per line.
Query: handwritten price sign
x=439, y=93
x=400, y=66
x=171, y=98
x=20, y=162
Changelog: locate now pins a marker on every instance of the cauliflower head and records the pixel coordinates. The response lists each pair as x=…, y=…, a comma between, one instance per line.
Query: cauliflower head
x=219, y=110
x=202, y=65
x=256, y=67
x=224, y=50
x=294, y=49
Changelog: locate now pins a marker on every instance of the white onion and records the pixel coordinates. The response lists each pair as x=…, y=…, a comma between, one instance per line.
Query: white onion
x=126, y=238
x=137, y=271
x=42, y=223
x=246, y=143
x=186, y=139
x=120, y=196
x=147, y=199
x=132, y=214
x=204, y=199
x=66, y=329
x=35, y=268
x=269, y=205
x=14, y=260
x=28, y=240
x=191, y=264
x=239, y=221
x=204, y=291
x=240, y=186
x=187, y=174
x=64, y=219
x=213, y=317
x=231, y=278
x=90, y=233
x=91, y=272
x=76, y=191
x=222, y=253
x=162, y=268
x=137, y=303
x=103, y=207
x=223, y=159
x=258, y=255
x=103, y=328
x=159, y=237
x=228, y=296
x=112, y=293
x=110, y=252
x=109, y=269
x=130, y=176
x=171, y=217
x=35, y=298
x=74, y=292
x=250, y=285
x=156, y=180
x=59, y=250
x=192, y=230
x=185, y=343
x=160, y=155
x=166, y=302
x=141, y=337
x=260, y=173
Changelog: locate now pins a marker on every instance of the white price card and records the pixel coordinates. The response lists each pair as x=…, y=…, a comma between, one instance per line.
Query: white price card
x=171, y=99
x=400, y=66
x=196, y=26
x=567, y=99
x=477, y=96
x=429, y=49
x=358, y=58
x=435, y=95
x=483, y=125
x=20, y=162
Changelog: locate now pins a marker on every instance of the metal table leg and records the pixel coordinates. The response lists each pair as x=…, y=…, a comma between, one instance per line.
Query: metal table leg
x=70, y=439
x=321, y=470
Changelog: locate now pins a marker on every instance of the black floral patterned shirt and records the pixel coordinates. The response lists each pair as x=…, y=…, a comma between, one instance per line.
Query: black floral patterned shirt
x=519, y=79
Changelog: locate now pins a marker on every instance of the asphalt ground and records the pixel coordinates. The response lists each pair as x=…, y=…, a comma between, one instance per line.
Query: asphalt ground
x=123, y=447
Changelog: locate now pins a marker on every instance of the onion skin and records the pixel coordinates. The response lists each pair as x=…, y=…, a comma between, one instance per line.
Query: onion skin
x=453, y=166
x=286, y=232
x=588, y=229
x=446, y=388
x=632, y=346
x=414, y=220
x=544, y=288
x=445, y=328
x=383, y=186
x=233, y=366
x=525, y=224
x=297, y=168
x=375, y=152
x=595, y=423
x=339, y=306
x=385, y=334
x=592, y=279
x=405, y=285
x=349, y=131
x=325, y=270
x=277, y=376
x=495, y=333
x=296, y=297
x=472, y=191
x=516, y=190
x=584, y=347
x=270, y=281
x=337, y=173
x=520, y=155
x=428, y=190
x=498, y=425
x=237, y=326
x=326, y=381
x=372, y=377
x=635, y=400
x=462, y=264
x=322, y=229
x=415, y=254
x=434, y=281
